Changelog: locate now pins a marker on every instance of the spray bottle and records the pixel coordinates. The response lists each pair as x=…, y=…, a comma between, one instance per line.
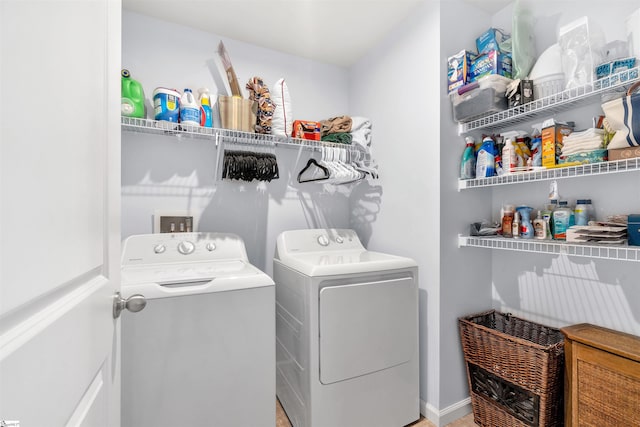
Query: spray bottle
x=468, y=163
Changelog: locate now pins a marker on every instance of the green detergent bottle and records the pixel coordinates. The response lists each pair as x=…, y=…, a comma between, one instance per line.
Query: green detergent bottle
x=132, y=101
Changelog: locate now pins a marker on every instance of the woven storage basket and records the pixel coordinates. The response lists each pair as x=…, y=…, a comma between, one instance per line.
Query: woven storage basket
x=515, y=370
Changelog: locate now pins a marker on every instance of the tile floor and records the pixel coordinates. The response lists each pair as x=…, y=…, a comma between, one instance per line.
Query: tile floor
x=467, y=421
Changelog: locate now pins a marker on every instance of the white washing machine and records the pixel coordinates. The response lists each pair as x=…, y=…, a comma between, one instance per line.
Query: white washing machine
x=202, y=352
x=347, y=332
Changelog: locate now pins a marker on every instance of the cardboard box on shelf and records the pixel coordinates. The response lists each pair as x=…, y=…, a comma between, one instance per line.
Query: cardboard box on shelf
x=490, y=40
x=458, y=69
x=492, y=62
x=624, y=153
x=552, y=142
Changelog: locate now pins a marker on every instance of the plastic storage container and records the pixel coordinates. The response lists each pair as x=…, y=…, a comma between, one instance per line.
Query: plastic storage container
x=487, y=95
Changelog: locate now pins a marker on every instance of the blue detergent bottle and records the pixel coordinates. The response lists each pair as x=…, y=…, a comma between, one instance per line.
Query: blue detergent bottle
x=526, y=227
x=485, y=163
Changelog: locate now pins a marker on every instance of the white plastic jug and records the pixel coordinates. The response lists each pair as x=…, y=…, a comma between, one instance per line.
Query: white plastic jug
x=189, y=109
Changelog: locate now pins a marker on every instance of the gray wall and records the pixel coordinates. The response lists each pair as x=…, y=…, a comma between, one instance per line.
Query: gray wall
x=167, y=173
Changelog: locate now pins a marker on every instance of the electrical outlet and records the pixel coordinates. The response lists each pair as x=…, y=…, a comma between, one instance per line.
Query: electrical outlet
x=176, y=224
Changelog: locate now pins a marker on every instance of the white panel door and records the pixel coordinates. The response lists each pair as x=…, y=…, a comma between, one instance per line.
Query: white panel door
x=59, y=212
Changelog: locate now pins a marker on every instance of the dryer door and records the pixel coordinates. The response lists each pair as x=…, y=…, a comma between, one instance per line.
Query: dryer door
x=366, y=327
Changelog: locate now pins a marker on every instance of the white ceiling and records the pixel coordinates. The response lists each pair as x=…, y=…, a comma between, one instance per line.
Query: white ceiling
x=338, y=32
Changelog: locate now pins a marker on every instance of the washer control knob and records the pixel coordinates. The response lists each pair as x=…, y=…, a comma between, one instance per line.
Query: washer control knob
x=186, y=247
x=211, y=247
x=339, y=239
x=323, y=240
x=159, y=248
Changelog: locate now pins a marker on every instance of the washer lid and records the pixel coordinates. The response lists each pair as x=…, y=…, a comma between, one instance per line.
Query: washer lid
x=167, y=265
x=332, y=252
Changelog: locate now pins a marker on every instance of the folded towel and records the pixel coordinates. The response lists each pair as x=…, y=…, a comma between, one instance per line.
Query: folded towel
x=338, y=138
x=336, y=125
x=361, y=131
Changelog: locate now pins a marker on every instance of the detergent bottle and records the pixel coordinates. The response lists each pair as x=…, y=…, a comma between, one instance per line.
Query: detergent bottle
x=485, y=164
x=526, y=228
x=132, y=97
x=206, y=120
x=189, y=109
x=468, y=163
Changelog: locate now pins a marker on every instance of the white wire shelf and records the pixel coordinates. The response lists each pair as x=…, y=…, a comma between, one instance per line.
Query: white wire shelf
x=617, y=166
x=552, y=103
x=617, y=252
x=179, y=131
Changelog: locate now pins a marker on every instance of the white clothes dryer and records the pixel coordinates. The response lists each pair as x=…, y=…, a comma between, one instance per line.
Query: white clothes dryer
x=202, y=352
x=347, y=332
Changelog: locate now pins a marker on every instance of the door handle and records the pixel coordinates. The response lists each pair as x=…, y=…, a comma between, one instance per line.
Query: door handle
x=134, y=304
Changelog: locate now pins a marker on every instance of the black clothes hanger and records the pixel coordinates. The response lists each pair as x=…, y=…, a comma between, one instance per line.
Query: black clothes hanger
x=326, y=174
x=247, y=166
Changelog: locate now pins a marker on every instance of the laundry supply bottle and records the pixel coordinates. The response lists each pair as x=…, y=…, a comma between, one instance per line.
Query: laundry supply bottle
x=485, y=164
x=468, y=162
x=526, y=227
x=189, y=109
x=132, y=96
x=561, y=218
x=206, y=120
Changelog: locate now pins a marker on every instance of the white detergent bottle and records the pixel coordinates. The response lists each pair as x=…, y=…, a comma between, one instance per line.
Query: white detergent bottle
x=189, y=109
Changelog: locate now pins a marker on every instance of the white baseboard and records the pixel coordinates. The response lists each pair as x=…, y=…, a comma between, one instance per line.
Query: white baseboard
x=447, y=415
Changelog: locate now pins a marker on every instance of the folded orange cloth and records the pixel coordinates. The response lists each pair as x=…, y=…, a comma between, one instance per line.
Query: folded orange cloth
x=336, y=125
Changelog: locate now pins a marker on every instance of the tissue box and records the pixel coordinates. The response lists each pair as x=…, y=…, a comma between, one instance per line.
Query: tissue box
x=492, y=62
x=490, y=40
x=306, y=130
x=458, y=67
x=633, y=229
x=595, y=156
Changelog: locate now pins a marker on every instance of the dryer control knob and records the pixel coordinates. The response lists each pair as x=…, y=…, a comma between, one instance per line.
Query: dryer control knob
x=160, y=248
x=339, y=239
x=323, y=240
x=186, y=247
x=211, y=247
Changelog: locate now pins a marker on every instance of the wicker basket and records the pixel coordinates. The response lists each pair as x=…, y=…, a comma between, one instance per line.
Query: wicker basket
x=515, y=370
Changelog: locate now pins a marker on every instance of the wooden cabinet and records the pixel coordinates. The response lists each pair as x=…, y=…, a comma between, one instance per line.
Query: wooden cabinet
x=602, y=377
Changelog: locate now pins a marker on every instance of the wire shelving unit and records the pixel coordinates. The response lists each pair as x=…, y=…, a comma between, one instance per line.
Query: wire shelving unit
x=617, y=252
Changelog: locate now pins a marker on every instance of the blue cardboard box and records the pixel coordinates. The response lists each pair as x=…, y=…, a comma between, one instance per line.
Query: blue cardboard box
x=633, y=229
x=490, y=40
x=492, y=62
x=458, y=67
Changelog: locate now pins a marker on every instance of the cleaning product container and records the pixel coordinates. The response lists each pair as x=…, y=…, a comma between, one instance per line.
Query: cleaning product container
x=189, y=109
x=526, y=227
x=206, y=118
x=237, y=113
x=132, y=97
x=166, y=104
